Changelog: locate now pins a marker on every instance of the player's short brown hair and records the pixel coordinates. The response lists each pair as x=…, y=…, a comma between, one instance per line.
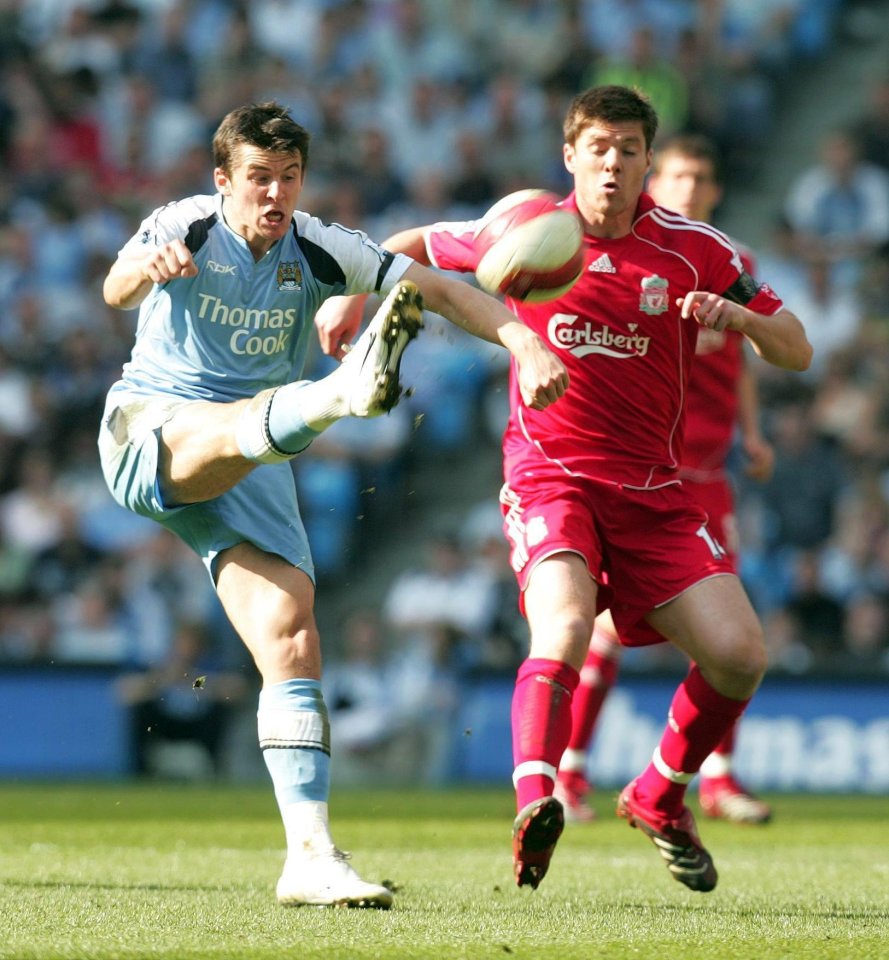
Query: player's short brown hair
x=694, y=145
x=613, y=104
x=268, y=126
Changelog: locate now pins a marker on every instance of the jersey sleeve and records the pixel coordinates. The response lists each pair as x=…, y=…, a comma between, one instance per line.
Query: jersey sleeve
x=449, y=246
x=735, y=269
x=347, y=260
x=170, y=222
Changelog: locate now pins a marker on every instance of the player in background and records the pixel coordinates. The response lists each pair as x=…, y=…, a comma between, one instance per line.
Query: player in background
x=722, y=395
x=593, y=506
x=227, y=287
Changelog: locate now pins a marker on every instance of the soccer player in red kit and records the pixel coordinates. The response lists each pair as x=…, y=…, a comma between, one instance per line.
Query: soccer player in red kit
x=722, y=394
x=593, y=507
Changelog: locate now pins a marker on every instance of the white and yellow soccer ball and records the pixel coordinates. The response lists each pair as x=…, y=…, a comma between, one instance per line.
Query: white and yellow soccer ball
x=529, y=247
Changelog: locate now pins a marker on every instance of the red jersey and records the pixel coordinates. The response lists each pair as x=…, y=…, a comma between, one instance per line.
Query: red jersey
x=711, y=406
x=627, y=350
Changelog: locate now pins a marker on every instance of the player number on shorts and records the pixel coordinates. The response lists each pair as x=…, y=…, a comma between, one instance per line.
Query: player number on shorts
x=715, y=546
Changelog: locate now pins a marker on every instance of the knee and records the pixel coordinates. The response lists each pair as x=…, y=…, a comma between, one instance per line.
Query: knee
x=564, y=637
x=737, y=663
x=285, y=654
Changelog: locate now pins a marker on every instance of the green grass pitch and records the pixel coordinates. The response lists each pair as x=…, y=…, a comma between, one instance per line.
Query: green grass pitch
x=125, y=871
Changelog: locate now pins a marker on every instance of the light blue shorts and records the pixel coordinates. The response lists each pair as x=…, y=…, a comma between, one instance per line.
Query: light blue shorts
x=261, y=509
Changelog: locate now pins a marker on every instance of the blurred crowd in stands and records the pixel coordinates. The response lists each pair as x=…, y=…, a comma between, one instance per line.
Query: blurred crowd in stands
x=420, y=111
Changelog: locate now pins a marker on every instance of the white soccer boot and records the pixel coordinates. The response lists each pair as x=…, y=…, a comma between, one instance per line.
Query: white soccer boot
x=327, y=879
x=370, y=370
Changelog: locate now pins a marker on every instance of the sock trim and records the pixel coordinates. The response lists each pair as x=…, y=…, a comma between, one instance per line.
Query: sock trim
x=269, y=439
x=252, y=432
x=674, y=776
x=530, y=768
x=716, y=765
x=302, y=729
x=573, y=760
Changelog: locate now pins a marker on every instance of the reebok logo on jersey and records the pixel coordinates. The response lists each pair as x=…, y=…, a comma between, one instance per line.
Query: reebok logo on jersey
x=581, y=339
x=226, y=268
x=602, y=264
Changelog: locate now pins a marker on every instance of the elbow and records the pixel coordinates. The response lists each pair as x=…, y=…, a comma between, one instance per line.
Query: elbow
x=804, y=360
x=109, y=295
x=116, y=300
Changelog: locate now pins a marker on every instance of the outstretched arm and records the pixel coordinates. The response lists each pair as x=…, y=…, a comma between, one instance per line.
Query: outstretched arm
x=339, y=319
x=779, y=339
x=542, y=376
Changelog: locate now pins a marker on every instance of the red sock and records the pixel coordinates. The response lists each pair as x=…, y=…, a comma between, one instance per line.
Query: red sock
x=541, y=725
x=699, y=719
x=726, y=745
x=596, y=678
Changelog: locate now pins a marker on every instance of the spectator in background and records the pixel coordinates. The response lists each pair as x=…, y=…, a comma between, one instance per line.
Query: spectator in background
x=819, y=616
x=378, y=183
x=610, y=26
x=834, y=311
x=422, y=130
x=408, y=46
x=166, y=57
x=443, y=591
x=31, y=514
x=871, y=130
x=839, y=208
x=802, y=495
x=357, y=687
x=510, y=118
x=98, y=622
x=643, y=68
x=503, y=636
x=866, y=634
x=529, y=39
x=471, y=184
x=390, y=703
x=62, y=567
x=184, y=697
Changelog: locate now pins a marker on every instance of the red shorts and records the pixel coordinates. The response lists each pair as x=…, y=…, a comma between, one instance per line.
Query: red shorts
x=643, y=547
x=718, y=501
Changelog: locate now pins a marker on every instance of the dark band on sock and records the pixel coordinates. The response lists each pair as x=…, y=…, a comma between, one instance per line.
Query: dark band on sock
x=270, y=440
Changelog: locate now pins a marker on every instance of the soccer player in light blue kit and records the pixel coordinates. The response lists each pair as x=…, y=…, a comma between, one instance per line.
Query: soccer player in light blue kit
x=227, y=287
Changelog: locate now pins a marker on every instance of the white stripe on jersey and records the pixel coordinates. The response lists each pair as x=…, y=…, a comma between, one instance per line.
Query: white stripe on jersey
x=675, y=221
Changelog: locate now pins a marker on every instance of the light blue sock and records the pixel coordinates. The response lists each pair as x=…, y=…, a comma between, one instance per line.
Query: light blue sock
x=294, y=735
x=287, y=424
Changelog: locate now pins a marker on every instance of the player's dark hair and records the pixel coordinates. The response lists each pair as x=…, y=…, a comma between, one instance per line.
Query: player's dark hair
x=268, y=126
x=612, y=104
x=693, y=145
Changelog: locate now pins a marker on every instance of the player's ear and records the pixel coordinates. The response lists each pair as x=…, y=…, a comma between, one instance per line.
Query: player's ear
x=568, y=156
x=223, y=184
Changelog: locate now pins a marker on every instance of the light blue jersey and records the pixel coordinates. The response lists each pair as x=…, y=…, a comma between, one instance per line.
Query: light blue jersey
x=241, y=326
x=237, y=328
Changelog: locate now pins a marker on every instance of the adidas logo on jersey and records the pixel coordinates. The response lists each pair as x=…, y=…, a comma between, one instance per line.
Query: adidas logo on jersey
x=602, y=265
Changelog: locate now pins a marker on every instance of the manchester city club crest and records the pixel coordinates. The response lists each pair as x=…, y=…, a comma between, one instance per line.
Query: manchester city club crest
x=654, y=299
x=290, y=276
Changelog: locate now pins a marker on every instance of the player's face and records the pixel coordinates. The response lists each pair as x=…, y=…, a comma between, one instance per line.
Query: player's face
x=687, y=185
x=609, y=163
x=261, y=194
